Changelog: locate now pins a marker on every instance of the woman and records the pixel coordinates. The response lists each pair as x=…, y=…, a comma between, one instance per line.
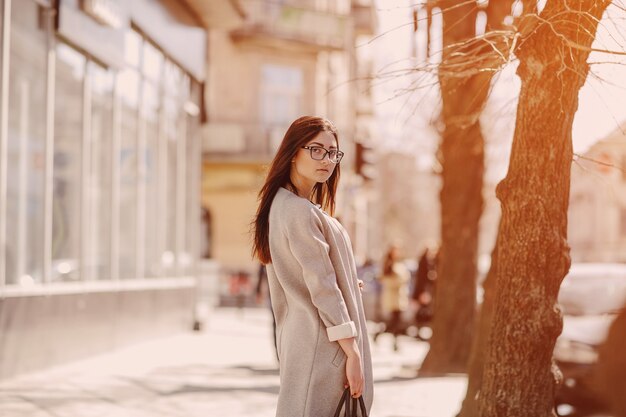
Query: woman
x=320, y=323
x=395, y=294
x=424, y=286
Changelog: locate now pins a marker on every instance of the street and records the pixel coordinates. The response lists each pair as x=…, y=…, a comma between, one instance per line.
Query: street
x=228, y=369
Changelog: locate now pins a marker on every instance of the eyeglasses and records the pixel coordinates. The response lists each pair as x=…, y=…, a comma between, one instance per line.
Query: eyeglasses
x=319, y=153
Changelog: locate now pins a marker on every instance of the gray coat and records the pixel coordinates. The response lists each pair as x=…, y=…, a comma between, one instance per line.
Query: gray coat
x=316, y=301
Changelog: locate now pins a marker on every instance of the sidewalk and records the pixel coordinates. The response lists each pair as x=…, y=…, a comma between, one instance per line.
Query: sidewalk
x=228, y=370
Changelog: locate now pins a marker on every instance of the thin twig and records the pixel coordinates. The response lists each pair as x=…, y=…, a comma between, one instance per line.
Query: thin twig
x=595, y=161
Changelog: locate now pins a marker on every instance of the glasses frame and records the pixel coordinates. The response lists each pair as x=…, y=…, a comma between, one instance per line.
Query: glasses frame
x=340, y=154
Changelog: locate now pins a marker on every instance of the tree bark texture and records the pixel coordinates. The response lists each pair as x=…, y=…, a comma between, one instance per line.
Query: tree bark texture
x=611, y=370
x=464, y=91
x=482, y=330
x=533, y=256
x=497, y=11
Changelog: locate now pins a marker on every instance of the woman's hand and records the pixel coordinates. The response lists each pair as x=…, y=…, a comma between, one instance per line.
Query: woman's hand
x=354, y=369
x=354, y=375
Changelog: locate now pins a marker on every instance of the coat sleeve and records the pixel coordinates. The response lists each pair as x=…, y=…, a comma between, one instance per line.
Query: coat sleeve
x=311, y=250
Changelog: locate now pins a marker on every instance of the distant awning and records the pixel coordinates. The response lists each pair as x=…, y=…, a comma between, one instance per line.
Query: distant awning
x=218, y=14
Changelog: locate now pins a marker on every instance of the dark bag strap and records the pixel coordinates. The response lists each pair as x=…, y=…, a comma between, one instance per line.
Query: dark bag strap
x=344, y=398
x=351, y=405
x=355, y=411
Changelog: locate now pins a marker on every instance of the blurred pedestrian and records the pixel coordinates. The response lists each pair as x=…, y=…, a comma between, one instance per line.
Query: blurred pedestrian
x=395, y=294
x=423, y=294
x=368, y=274
x=322, y=334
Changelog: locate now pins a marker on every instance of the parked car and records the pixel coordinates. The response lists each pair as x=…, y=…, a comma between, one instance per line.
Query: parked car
x=590, y=296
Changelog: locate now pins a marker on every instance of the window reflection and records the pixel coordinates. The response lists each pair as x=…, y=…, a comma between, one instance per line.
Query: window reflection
x=151, y=179
x=152, y=62
x=129, y=88
x=66, y=214
x=132, y=48
x=25, y=151
x=155, y=102
x=282, y=89
x=98, y=177
x=169, y=197
x=194, y=229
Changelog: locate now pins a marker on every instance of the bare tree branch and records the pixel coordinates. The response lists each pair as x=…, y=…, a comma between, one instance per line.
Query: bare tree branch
x=595, y=161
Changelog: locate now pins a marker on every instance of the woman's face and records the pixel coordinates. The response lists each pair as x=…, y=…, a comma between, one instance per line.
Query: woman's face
x=306, y=171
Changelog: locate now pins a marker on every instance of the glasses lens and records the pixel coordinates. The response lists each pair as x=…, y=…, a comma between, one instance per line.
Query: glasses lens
x=317, y=153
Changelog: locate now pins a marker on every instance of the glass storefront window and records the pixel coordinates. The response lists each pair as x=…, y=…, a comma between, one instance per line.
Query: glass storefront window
x=66, y=211
x=181, y=177
x=157, y=162
x=132, y=48
x=152, y=63
x=128, y=164
x=282, y=88
x=153, y=226
x=26, y=146
x=168, y=257
x=98, y=177
x=194, y=226
x=173, y=79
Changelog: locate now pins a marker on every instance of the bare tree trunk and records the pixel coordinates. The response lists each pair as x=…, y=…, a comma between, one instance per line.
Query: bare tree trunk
x=519, y=379
x=479, y=342
x=464, y=92
x=611, y=370
x=462, y=157
x=496, y=13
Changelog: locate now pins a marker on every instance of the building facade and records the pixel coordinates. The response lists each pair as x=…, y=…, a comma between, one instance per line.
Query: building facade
x=100, y=141
x=286, y=59
x=597, y=211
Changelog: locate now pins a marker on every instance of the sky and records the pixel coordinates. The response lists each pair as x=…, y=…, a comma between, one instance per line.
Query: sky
x=406, y=122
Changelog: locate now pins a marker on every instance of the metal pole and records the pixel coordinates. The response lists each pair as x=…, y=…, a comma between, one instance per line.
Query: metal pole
x=141, y=185
x=161, y=209
x=115, y=181
x=85, y=174
x=49, y=148
x=4, y=135
x=181, y=167
x=19, y=239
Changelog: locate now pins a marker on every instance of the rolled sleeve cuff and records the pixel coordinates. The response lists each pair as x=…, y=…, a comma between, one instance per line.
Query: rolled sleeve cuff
x=342, y=331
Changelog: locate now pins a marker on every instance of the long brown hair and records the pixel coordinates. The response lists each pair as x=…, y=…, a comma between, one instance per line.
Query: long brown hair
x=301, y=132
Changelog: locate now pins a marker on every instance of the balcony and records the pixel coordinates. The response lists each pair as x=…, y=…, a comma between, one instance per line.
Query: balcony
x=241, y=142
x=365, y=20
x=217, y=14
x=272, y=21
